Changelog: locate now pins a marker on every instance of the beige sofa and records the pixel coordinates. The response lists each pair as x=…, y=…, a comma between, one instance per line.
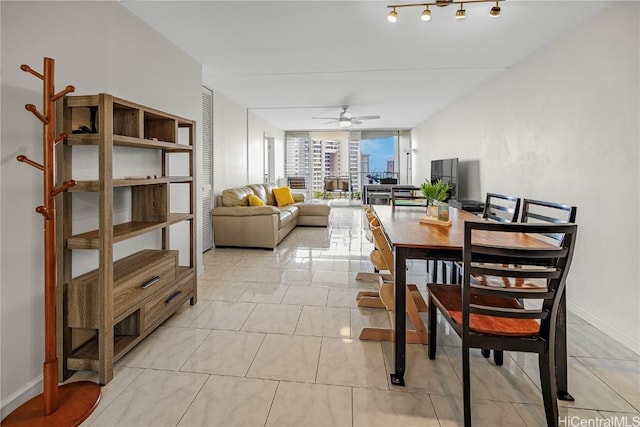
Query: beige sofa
x=235, y=223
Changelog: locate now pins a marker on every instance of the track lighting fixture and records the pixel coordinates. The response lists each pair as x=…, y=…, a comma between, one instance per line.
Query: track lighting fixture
x=460, y=13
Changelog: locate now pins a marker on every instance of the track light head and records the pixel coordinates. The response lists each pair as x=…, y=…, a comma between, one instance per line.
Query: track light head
x=393, y=16
x=426, y=14
x=495, y=11
x=461, y=13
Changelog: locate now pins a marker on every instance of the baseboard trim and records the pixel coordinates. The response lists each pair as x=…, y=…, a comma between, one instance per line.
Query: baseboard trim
x=23, y=394
x=622, y=337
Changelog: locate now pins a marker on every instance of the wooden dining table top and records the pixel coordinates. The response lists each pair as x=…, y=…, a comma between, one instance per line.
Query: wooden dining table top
x=404, y=229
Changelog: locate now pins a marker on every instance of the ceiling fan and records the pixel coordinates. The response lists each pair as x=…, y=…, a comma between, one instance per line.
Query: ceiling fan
x=346, y=118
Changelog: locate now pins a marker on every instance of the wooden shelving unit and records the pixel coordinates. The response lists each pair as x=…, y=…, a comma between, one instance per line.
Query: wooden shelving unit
x=104, y=313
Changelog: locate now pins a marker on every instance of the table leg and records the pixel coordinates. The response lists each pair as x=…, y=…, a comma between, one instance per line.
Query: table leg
x=561, y=351
x=400, y=308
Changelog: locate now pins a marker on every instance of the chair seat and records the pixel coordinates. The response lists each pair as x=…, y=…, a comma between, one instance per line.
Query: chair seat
x=450, y=298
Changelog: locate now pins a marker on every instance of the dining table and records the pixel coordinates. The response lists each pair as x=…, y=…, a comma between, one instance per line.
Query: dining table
x=412, y=239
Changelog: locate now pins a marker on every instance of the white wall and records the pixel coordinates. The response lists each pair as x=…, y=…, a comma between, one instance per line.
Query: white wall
x=98, y=47
x=563, y=125
x=258, y=129
x=229, y=143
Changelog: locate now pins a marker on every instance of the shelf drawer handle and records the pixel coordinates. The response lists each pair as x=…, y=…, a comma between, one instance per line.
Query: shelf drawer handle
x=173, y=297
x=150, y=282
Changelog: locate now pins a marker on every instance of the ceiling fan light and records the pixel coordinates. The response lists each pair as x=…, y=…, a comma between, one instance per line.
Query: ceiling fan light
x=461, y=13
x=495, y=11
x=426, y=14
x=344, y=123
x=393, y=16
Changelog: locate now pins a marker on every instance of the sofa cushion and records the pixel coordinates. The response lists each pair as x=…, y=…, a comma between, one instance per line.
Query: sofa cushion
x=315, y=208
x=294, y=209
x=255, y=200
x=287, y=216
x=236, y=196
x=268, y=188
x=283, y=196
x=259, y=190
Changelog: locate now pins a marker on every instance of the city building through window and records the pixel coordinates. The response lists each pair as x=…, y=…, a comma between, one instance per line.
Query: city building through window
x=357, y=158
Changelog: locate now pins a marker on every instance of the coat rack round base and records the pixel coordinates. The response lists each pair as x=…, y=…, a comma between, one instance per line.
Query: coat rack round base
x=76, y=401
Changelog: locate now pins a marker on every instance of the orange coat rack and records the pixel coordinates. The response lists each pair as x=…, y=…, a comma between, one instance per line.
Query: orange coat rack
x=58, y=405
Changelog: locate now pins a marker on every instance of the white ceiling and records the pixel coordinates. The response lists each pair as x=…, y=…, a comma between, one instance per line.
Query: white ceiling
x=290, y=60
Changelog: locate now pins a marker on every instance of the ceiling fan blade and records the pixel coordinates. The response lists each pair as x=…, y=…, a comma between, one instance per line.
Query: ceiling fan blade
x=356, y=122
x=326, y=118
x=366, y=117
x=332, y=121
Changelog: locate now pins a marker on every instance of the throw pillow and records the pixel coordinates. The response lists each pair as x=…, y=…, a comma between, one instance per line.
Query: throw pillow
x=283, y=196
x=255, y=200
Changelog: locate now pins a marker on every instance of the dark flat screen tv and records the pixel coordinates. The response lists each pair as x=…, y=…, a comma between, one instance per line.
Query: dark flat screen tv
x=447, y=170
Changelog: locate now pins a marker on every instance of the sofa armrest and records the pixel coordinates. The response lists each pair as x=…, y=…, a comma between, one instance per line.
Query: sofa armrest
x=244, y=210
x=299, y=197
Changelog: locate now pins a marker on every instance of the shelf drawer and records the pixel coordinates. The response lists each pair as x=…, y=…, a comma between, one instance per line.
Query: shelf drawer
x=166, y=302
x=135, y=278
x=142, y=278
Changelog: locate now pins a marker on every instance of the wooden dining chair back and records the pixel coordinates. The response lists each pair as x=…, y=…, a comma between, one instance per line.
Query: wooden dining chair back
x=501, y=208
x=497, y=317
x=415, y=302
x=374, y=256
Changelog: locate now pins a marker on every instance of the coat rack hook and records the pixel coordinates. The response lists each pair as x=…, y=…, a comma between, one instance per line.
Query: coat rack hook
x=24, y=159
x=63, y=92
x=38, y=114
x=44, y=212
x=26, y=68
x=64, y=187
x=59, y=138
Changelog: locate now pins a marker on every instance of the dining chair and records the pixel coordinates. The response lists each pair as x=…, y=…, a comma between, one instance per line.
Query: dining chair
x=538, y=211
x=499, y=208
x=374, y=256
x=496, y=317
x=385, y=298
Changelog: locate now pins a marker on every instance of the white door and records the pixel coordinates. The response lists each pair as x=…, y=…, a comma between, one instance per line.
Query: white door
x=269, y=159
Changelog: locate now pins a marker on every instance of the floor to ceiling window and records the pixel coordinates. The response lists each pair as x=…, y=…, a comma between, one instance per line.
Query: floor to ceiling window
x=361, y=157
x=379, y=153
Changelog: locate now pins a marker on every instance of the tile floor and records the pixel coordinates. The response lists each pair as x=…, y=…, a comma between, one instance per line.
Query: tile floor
x=273, y=341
